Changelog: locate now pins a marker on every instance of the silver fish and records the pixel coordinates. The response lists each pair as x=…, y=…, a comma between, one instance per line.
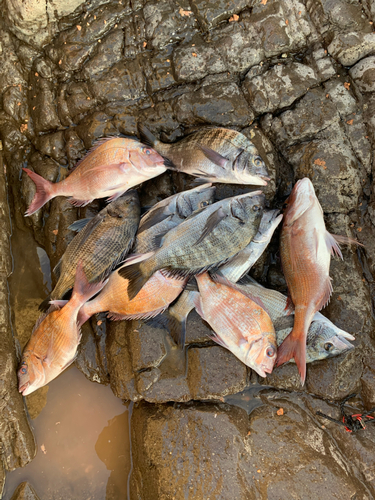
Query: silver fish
x=241, y=263
x=168, y=213
x=203, y=241
x=214, y=154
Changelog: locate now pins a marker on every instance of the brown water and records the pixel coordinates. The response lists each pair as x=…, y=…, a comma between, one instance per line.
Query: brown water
x=81, y=428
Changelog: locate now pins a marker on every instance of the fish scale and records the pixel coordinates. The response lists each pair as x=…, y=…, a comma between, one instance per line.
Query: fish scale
x=104, y=241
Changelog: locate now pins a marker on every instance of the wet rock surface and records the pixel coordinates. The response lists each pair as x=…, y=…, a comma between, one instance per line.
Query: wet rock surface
x=25, y=492
x=298, y=79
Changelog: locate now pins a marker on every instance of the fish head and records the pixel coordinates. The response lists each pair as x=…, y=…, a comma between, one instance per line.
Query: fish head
x=146, y=159
x=301, y=199
x=195, y=199
x=249, y=168
x=259, y=354
x=324, y=342
x=120, y=208
x=248, y=207
x=31, y=373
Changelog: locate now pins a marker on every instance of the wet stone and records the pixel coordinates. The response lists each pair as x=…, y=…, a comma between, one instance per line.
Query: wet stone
x=133, y=28
x=210, y=14
x=74, y=148
x=53, y=145
x=146, y=346
x=195, y=60
x=214, y=372
x=124, y=81
x=349, y=48
x=109, y=52
x=43, y=105
x=363, y=73
x=14, y=103
x=222, y=104
x=159, y=71
x=279, y=87
x=25, y=492
x=79, y=100
x=167, y=21
x=94, y=126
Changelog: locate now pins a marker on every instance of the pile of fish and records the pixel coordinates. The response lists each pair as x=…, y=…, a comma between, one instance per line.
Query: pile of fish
x=188, y=251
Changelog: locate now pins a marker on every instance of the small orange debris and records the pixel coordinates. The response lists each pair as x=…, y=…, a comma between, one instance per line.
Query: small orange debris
x=249, y=433
x=258, y=471
x=347, y=85
x=194, y=54
x=55, y=231
x=280, y=411
x=350, y=122
x=23, y=127
x=286, y=22
x=320, y=162
x=234, y=18
x=327, y=95
x=144, y=45
x=323, y=426
x=36, y=74
x=263, y=2
x=339, y=298
x=79, y=27
x=43, y=448
x=183, y=12
x=359, y=229
x=300, y=12
x=99, y=322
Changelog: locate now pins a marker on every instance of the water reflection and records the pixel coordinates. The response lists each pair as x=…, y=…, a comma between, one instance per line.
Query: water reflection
x=83, y=444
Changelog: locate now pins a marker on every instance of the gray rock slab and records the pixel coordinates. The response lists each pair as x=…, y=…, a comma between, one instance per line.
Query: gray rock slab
x=348, y=48
x=363, y=73
x=25, y=492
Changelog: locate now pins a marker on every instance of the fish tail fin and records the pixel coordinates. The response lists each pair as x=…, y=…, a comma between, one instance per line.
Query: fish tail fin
x=294, y=346
x=44, y=306
x=147, y=137
x=178, y=314
x=137, y=272
x=43, y=192
x=83, y=290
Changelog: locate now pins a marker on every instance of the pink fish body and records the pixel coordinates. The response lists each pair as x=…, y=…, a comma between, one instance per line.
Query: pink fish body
x=153, y=298
x=110, y=168
x=54, y=341
x=240, y=325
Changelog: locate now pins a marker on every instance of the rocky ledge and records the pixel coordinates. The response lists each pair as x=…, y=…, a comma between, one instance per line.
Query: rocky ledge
x=297, y=77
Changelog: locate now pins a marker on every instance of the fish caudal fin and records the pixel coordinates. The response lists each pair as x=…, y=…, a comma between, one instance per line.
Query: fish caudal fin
x=83, y=290
x=83, y=315
x=294, y=346
x=43, y=192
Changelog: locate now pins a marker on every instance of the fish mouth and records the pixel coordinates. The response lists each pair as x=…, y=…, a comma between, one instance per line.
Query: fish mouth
x=24, y=388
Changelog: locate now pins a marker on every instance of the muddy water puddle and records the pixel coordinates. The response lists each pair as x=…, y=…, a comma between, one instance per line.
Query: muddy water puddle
x=81, y=428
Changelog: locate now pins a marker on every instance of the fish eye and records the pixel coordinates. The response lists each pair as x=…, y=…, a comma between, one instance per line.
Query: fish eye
x=256, y=208
x=23, y=369
x=258, y=162
x=285, y=206
x=328, y=346
x=146, y=151
x=270, y=352
x=204, y=203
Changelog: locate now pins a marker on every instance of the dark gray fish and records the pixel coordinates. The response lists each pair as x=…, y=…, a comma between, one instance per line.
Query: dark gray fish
x=241, y=263
x=168, y=213
x=213, y=154
x=203, y=241
x=101, y=245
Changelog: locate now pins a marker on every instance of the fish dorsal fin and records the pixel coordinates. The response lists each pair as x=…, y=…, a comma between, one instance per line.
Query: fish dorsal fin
x=78, y=225
x=212, y=221
x=90, y=226
x=147, y=137
x=157, y=240
x=95, y=146
x=218, y=278
x=158, y=215
x=214, y=156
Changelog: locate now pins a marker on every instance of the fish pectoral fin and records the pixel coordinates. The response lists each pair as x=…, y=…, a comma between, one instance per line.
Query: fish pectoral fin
x=116, y=195
x=68, y=364
x=157, y=216
x=212, y=221
x=214, y=156
x=332, y=244
x=77, y=226
x=345, y=240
